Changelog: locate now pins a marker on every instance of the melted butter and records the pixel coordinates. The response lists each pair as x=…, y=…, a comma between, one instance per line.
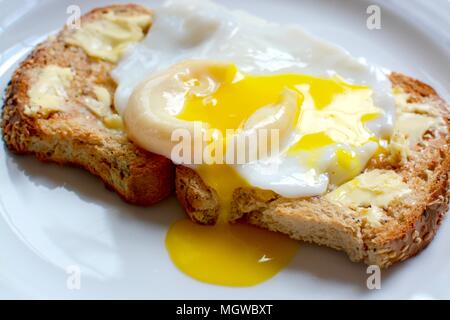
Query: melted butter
x=49, y=91
x=374, y=188
x=100, y=105
x=108, y=37
x=413, y=126
x=113, y=121
x=229, y=255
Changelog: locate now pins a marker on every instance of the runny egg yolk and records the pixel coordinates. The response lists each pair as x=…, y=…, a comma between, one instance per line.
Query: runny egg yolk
x=227, y=254
x=237, y=255
x=239, y=95
x=331, y=112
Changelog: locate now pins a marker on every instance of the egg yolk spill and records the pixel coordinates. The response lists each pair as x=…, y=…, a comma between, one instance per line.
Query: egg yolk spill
x=331, y=112
x=224, y=179
x=227, y=254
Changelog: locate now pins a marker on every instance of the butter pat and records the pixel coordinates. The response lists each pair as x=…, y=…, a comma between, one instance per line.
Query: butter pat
x=399, y=148
x=48, y=92
x=108, y=37
x=101, y=104
x=413, y=120
x=113, y=121
x=401, y=98
x=402, y=104
x=373, y=215
x=373, y=188
x=413, y=126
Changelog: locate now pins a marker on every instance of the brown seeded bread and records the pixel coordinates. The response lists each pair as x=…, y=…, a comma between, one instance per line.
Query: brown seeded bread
x=75, y=136
x=408, y=225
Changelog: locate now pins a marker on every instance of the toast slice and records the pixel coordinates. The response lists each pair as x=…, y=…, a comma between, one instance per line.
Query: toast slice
x=396, y=214
x=59, y=105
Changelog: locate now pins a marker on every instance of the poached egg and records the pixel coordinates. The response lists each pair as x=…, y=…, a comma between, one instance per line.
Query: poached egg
x=203, y=64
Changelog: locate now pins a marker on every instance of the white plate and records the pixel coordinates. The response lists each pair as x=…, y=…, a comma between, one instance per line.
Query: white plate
x=56, y=218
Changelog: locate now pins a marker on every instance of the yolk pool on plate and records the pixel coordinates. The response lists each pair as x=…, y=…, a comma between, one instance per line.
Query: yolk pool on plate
x=229, y=255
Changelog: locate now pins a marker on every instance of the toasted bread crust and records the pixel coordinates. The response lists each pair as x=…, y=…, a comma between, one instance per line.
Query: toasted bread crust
x=425, y=216
x=411, y=228
x=76, y=137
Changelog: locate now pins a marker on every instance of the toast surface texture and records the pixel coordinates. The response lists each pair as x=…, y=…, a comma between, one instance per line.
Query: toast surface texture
x=81, y=127
x=401, y=229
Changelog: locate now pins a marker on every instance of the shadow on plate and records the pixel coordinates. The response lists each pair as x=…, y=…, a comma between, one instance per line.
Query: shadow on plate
x=320, y=262
x=87, y=187
x=334, y=266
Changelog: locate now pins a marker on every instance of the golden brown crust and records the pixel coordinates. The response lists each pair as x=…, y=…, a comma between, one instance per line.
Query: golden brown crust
x=199, y=201
x=75, y=136
x=411, y=226
x=427, y=173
